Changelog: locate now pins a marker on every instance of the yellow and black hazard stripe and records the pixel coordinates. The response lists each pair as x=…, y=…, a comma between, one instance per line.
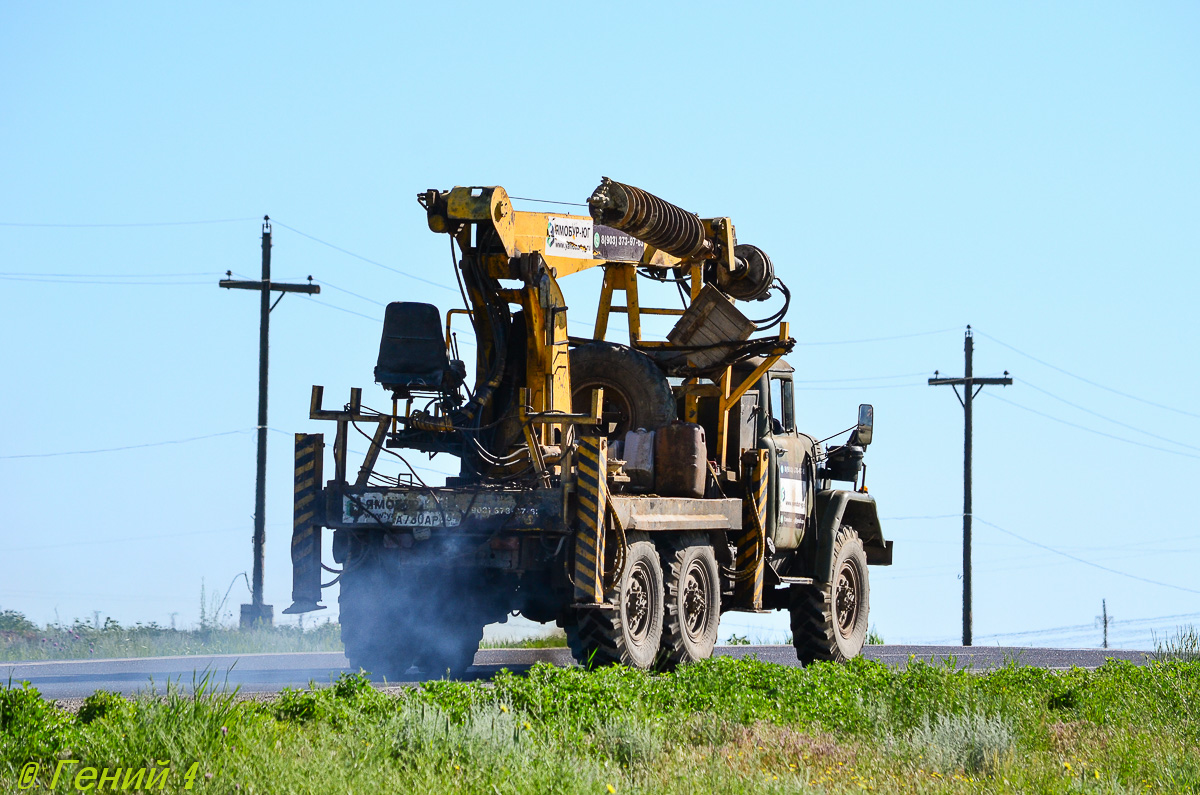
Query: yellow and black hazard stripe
x=306, y=530
x=752, y=541
x=591, y=472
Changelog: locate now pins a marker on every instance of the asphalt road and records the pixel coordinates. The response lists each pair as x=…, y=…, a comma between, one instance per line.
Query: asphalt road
x=268, y=673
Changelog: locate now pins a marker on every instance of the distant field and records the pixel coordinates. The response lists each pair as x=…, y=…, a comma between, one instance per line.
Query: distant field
x=81, y=642
x=723, y=725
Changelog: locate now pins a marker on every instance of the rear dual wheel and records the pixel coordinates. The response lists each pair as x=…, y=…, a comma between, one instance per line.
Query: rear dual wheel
x=452, y=651
x=693, y=603
x=629, y=630
x=391, y=620
x=374, y=624
x=666, y=609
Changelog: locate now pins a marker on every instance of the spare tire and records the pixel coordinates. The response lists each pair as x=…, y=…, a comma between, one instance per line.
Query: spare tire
x=636, y=393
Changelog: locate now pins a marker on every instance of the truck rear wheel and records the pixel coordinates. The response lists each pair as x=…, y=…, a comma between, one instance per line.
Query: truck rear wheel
x=829, y=620
x=452, y=651
x=454, y=617
x=636, y=393
x=693, y=601
x=374, y=632
x=629, y=634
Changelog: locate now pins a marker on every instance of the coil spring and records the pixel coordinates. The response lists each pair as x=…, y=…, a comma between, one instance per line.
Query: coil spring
x=643, y=215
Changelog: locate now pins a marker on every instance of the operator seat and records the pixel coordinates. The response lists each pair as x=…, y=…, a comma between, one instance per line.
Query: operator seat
x=412, y=352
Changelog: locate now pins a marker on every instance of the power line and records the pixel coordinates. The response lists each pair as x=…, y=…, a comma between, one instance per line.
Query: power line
x=1026, y=564
x=128, y=447
x=361, y=257
x=112, y=284
x=373, y=319
x=116, y=226
x=905, y=518
x=114, y=275
x=848, y=380
x=1089, y=381
x=99, y=541
x=1108, y=419
x=853, y=388
x=363, y=453
x=347, y=292
x=1092, y=430
x=1083, y=561
x=1127, y=625
x=381, y=303
x=881, y=339
x=344, y=309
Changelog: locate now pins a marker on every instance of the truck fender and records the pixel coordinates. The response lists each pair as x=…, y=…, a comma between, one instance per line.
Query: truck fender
x=856, y=510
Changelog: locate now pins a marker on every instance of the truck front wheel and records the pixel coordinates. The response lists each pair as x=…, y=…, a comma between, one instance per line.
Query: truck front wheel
x=629, y=633
x=829, y=620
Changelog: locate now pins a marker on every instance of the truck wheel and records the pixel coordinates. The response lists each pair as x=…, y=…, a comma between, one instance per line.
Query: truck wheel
x=829, y=620
x=630, y=633
x=636, y=393
x=452, y=653
x=453, y=612
x=373, y=634
x=693, y=603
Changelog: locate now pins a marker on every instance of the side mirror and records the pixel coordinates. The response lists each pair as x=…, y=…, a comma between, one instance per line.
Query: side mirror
x=866, y=422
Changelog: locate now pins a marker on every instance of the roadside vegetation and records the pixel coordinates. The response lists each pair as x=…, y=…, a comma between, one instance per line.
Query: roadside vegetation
x=21, y=639
x=723, y=725
x=553, y=639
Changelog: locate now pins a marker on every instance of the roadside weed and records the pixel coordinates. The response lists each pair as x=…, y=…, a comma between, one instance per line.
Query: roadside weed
x=723, y=725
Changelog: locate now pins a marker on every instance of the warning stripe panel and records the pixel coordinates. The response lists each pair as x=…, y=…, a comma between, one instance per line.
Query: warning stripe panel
x=751, y=545
x=306, y=534
x=589, y=539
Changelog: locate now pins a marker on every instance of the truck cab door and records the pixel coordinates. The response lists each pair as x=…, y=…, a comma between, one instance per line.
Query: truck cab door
x=792, y=463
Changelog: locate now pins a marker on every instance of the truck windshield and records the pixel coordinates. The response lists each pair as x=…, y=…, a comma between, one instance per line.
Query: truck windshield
x=781, y=404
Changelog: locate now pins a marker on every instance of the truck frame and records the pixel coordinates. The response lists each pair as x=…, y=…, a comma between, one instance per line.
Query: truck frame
x=546, y=518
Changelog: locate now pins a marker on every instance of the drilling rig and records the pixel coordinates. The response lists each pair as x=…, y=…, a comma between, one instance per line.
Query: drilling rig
x=629, y=492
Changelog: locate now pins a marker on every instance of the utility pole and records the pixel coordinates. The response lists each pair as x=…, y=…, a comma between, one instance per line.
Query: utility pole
x=1105, y=619
x=971, y=387
x=256, y=611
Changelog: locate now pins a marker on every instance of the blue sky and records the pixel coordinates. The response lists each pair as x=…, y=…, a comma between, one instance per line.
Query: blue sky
x=1026, y=168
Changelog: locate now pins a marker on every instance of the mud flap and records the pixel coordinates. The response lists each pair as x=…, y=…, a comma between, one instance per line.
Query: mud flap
x=592, y=469
x=306, y=527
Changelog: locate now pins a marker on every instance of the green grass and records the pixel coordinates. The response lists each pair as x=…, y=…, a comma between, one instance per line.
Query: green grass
x=550, y=640
x=21, y=639
x=1183, y=645
x=723, y=725
x=83, y=641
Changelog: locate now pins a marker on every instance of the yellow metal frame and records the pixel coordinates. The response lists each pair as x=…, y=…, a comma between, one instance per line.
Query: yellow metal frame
x=449, y=316
x=530, y=419
x=522, y=236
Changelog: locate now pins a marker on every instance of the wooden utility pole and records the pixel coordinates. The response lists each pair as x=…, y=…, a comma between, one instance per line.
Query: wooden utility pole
x=256, y=612
x=1105, y=618
x=971, y=387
